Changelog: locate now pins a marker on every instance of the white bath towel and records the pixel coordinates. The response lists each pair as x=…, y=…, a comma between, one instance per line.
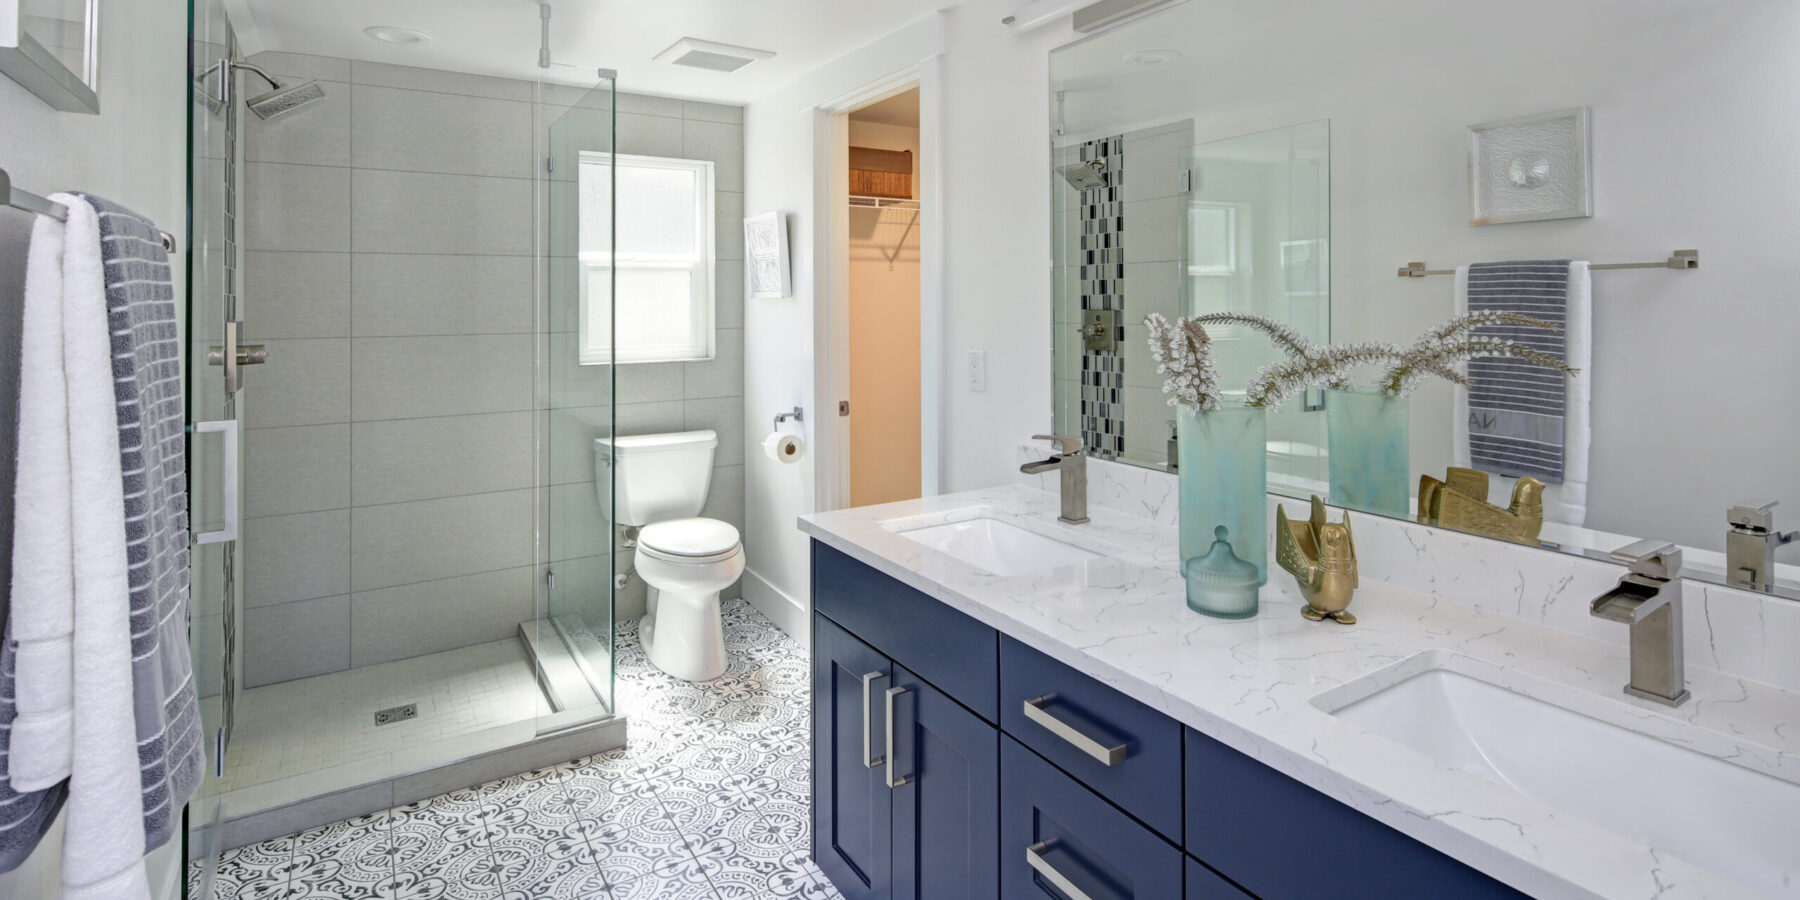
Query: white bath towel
x=1565, y=502
x=103, y=842
x=43, y=587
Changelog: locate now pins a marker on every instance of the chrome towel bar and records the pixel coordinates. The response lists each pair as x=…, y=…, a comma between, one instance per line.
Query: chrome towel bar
x=1681, y=259
x=43, y=206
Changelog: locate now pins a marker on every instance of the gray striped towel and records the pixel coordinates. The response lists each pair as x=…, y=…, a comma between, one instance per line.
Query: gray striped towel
x=146, y=345
x=1516, y=408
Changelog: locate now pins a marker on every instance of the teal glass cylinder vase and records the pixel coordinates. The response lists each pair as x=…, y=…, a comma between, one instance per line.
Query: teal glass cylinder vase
x=1366, y=443
x=1224, y=513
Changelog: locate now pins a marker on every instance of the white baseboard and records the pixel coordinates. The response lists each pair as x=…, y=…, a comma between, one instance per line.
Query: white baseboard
x=788, y=613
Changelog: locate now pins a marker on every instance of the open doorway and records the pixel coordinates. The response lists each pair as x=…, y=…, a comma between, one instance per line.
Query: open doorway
x=881, y=253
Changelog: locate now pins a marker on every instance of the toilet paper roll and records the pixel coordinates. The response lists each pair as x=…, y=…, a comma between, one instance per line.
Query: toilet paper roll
x=783, y=448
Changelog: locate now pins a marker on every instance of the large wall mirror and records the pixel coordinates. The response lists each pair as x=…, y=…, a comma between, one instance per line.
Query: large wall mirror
x=1364, y=176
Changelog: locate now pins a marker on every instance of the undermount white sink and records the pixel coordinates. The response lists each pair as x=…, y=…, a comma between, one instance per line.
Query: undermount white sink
x=1741, y=824
x=999, y=547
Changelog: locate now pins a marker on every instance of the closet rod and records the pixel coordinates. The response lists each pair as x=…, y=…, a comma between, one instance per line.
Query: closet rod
x=43, y=206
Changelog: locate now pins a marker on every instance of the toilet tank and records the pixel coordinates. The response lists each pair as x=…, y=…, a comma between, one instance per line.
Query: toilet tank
x=655, y=476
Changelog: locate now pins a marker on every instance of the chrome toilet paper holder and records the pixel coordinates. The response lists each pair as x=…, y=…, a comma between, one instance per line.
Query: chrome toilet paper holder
x=797, y=415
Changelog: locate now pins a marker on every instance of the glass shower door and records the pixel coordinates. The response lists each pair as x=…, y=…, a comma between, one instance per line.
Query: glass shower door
x=214, y=405
x=577, y=541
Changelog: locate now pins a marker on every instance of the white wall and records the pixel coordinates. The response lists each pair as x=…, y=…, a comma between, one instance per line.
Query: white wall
x=996, y=234
x=135, y=153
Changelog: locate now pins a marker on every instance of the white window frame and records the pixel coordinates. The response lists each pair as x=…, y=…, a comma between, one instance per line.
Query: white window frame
x=700, y=265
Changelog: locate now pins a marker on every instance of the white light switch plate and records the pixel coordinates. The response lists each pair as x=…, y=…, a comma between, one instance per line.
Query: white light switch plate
x=977, y=370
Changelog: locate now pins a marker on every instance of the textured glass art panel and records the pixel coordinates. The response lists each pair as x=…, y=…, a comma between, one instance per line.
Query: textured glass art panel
x=1530, y=168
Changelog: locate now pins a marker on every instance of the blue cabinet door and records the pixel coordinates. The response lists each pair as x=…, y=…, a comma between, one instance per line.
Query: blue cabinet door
x=947, y=802
x=852, y=805
x=1056, y=835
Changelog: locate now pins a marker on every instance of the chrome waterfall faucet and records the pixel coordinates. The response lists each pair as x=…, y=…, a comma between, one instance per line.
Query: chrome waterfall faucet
x=1648, y=599
x=1073, y=464
x=1750, y=545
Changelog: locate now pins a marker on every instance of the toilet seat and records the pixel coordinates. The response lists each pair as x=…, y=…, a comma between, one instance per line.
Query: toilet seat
x=695, y=541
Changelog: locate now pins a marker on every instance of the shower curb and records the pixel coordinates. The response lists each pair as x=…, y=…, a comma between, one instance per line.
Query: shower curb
x=555, y=748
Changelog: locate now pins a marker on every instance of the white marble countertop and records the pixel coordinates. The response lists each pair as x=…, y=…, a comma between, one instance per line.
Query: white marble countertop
x=1251, y=684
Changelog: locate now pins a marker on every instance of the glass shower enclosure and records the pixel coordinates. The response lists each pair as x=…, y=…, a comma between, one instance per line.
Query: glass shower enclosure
x=403, y=559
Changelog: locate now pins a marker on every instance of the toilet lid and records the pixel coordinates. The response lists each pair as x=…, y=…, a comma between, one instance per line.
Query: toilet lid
x=689, y=538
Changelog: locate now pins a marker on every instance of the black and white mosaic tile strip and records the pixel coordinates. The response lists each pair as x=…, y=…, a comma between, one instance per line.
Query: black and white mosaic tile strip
x=1102, y=276
x=709, y=801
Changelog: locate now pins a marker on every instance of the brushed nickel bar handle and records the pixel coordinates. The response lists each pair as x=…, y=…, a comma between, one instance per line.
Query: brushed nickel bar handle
x=893, y=781
x=870, y=760
x=1034, y=855
x=1035, y=711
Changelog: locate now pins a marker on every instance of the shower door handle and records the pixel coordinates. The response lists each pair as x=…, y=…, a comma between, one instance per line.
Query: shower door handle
x=234, y=356
x=229, y=429
x=246, y=355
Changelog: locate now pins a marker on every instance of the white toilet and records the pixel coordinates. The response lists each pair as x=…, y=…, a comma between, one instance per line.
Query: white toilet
x=660, y=482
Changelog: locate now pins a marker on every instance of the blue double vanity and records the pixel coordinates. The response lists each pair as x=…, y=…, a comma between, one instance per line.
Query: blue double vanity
x=1005, y=705
x=951, y=760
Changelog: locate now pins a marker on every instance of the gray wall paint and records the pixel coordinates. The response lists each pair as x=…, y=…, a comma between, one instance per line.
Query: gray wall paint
x=390, y=484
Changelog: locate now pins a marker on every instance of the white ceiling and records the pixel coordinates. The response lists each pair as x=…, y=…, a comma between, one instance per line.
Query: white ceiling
x=500, y=37
x=901, y=109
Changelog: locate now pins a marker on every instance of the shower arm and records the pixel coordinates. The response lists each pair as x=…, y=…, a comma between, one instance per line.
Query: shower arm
x=273, y=84
x=233, y=65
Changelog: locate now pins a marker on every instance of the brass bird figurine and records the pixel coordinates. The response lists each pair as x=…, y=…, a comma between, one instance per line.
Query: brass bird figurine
x=1460, y=503
x=1322, y=557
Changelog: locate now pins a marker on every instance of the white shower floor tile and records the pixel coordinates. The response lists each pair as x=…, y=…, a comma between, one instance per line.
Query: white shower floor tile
x=709, y=801
x=325, y=721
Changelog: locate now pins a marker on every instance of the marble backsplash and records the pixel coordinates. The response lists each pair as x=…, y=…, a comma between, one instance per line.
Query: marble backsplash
x=1743, y=634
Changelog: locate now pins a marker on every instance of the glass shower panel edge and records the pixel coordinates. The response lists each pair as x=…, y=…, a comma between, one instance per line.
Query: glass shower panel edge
x=578, y=544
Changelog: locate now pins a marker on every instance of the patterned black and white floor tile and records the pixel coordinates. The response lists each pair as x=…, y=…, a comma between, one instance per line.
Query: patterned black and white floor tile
x=708, y=802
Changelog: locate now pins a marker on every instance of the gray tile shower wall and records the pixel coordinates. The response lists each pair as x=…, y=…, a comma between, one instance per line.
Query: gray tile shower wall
x=389, y=479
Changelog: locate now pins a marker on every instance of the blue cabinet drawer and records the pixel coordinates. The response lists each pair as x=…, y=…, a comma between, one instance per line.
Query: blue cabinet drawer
x=1123, y=750
x=1205, y=884
x=1056, y=835
x=1255, y=826
x=953, y=652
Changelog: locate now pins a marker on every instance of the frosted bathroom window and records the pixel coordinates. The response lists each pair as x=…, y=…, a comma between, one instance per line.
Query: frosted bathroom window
x=664, y=260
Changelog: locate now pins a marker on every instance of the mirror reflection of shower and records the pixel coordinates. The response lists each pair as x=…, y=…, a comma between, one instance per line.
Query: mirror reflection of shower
x=279, y=101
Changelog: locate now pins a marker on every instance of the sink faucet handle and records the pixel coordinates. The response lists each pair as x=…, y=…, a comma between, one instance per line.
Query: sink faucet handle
x=1753, y=514
x=1651, y=557
x=1070, y=445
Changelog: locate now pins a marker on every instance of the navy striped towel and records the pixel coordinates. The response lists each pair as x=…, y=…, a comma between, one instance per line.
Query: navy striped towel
x=1517, y=408
x=140, y=302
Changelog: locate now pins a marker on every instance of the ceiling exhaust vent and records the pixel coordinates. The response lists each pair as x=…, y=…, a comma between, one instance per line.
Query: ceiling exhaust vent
x=715, y=57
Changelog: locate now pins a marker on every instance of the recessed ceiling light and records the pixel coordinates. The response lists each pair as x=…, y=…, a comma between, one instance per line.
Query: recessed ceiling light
x=711, y=55
x=1152, y=57
x=394, y=34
